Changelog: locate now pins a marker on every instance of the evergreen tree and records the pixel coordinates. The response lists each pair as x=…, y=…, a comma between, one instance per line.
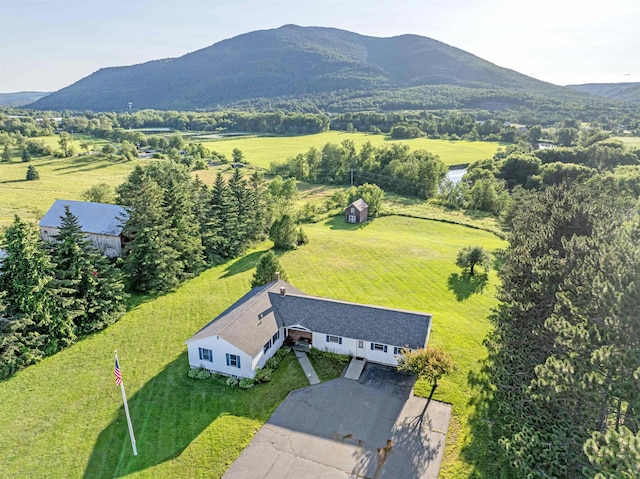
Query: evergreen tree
x=28, y=317
x=176, y=203
x=90, y=292
x=32, y=173
x=223, y=236
x=564, y=352
x=268, y=265
x=152, y=264
x=6, y=154
x=26, y=157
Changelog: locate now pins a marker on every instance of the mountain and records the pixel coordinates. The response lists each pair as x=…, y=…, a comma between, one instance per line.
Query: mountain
x=321, y=65
x=20, y=98
x=616, y=91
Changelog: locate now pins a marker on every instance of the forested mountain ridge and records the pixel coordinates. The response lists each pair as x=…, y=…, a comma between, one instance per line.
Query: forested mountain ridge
x=629, y=91
x=20, y=98
x=310, y=63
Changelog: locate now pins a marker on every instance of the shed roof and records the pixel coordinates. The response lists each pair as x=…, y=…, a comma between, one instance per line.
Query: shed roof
x=359, y=204
x=97, y=218
x=253, y=319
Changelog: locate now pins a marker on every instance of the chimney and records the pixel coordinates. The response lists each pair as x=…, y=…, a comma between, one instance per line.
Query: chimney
x=283, y=291
x=277, y=275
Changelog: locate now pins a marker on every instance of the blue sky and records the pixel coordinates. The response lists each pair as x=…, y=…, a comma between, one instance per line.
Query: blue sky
x=46, y=45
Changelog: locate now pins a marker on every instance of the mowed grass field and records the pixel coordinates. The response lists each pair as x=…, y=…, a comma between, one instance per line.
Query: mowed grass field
x=60, y=178
x=64, y=417
x=261, y=151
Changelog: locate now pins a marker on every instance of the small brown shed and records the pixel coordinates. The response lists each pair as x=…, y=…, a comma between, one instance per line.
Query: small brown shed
x=356, y=212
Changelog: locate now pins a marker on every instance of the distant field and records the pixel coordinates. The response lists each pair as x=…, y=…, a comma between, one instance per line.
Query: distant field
x=64, y=178
x=629, y=140
x=261, y=151
x=64, y=418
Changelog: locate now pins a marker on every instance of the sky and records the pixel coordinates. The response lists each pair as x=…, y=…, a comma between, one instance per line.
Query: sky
x=46, y=45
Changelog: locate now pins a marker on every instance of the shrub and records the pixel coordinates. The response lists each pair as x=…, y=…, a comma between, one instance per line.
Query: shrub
x=273, y=362
x=231, y=381
x=246, y=383
x=264, y=375
x=199, y=373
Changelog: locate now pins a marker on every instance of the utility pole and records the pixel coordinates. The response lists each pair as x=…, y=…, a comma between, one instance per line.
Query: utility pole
x=351, y=176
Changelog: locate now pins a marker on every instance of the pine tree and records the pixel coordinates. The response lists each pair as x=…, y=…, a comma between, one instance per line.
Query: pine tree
x=28, y=317
x=152, y=263
x=32, y=173
x=222, y=227
x=26, y=157
x=90, y=292
x=6, y=154
x=268, y=265
x=566, y=337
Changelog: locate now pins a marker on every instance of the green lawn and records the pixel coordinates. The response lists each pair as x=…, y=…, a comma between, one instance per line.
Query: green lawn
x=60, y=178
x=261, y=151
x=64, y=418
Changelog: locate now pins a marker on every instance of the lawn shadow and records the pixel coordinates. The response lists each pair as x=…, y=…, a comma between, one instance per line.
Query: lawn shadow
x=112, y=454
x=243, y=264
x=464, y=285
x=480, y=451
x=172, y=410
x=339, y=223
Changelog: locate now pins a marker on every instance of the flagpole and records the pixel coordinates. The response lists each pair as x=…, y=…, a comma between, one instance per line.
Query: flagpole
x=126, y=411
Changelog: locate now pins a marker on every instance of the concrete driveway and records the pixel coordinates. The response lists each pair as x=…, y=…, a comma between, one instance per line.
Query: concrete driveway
x=372, y=428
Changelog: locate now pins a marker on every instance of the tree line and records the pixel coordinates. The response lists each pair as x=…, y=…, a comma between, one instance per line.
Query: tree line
x=392, y=168
x=52, y=294
x=562, y=382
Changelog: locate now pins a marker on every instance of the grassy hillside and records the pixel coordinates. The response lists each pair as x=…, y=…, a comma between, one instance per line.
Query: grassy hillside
x=64, y=418
x=261, y=151
x=64, y=178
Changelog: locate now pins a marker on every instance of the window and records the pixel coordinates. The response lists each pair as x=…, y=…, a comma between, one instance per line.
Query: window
x=267, y=346
x=275, y=337
x=205, y=354
x=334, y=339
x=397, y=350
x=353, y=210
x=233, y=360
x=360, y=343
x=378, y=347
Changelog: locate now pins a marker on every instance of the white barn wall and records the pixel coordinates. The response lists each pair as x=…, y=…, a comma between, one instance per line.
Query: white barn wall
x=101, y=242
x=220, y=348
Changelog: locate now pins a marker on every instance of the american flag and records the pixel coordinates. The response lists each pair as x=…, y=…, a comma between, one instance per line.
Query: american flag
x=118, y=374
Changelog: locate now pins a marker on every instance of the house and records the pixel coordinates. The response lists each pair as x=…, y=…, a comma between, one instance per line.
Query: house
x=356, y=212
x=101, y=222
x=243, y=337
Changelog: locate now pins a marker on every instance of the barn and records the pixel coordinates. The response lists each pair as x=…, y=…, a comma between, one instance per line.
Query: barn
x=243, y=338
x=356, y=212
x=101, y=222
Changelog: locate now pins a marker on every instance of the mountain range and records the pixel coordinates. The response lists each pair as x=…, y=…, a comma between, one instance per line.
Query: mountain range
x=330, y=68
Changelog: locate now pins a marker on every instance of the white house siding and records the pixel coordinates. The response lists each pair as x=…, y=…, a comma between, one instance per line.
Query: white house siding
x=261, y=358
x=349, y=347
x=101, y=242
x=220, y=348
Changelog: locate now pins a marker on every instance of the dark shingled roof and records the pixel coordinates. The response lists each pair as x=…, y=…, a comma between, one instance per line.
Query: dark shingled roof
x=253, y=319
x=97, y=218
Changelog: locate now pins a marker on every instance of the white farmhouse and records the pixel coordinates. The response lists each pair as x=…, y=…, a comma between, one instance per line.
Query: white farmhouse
x=241, y=339
x=102, y=223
